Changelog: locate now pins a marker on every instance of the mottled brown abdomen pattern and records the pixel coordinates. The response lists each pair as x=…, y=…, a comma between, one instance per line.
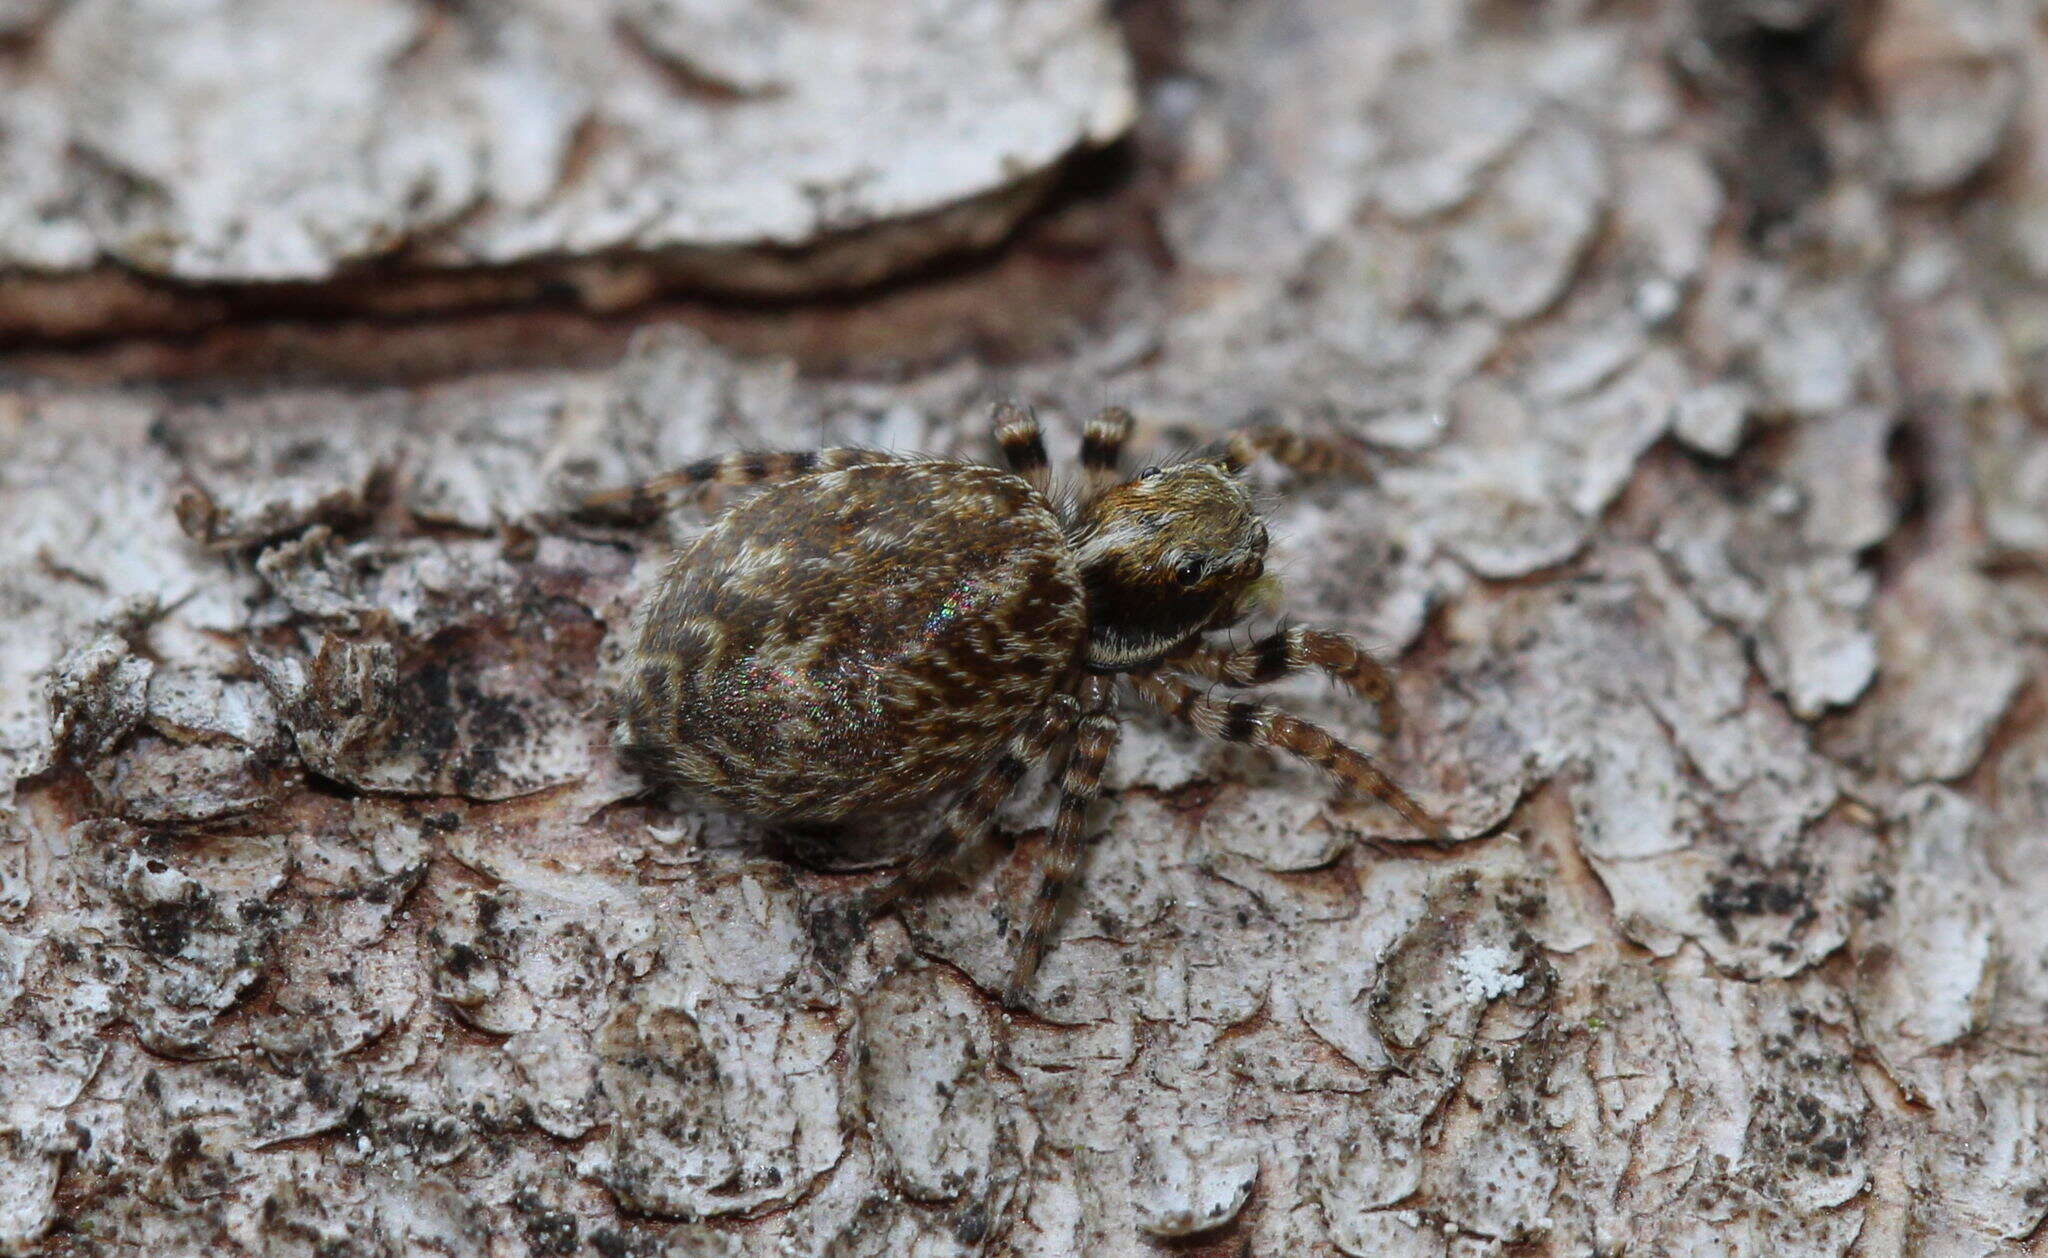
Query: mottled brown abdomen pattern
x=854, y=641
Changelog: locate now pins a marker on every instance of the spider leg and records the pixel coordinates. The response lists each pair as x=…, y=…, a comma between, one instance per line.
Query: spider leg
x=1102, y=451
x=1023, y=445
x=1260, y=726
x=1285, y=652
x=1313, y=456
x=746, y=467
x=1094, y=739
x=967, y=819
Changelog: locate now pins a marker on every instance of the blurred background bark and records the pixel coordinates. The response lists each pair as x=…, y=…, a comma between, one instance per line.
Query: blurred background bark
x=1706, y=344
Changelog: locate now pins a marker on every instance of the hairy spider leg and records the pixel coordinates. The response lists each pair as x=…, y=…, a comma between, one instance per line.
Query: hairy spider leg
x=1095, y=738
x=746, y=467
x=1312, y=456
x=1102, y=452
x=1257, y=725
x=1023, y=445
x=968, y=818
x=1287, y=651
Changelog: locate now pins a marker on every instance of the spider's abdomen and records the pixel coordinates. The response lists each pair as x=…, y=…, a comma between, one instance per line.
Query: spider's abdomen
x=854, y=642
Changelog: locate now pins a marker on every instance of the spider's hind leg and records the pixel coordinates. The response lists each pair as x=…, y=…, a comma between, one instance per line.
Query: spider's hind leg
x=747, y=467
x=1260, y=726
x=969, y=816
x=836, y=927
x=1094, y=739
x=1287, y=651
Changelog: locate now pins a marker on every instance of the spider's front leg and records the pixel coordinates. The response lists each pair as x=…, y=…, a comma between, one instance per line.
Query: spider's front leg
x=1094, y=739
x=747, y=467
x=1312, y=456
x=1260, y=726
x=1285, y=652
x=1102, y=452
x=1023, y=445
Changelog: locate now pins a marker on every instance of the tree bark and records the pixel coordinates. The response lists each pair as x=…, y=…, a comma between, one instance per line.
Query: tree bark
x=1701, y=346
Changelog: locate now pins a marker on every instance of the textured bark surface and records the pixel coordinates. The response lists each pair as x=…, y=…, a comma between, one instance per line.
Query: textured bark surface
x=1707, y=345
x=598, y=147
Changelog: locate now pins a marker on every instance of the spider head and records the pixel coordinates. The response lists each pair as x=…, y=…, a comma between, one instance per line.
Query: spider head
x=1166, y=555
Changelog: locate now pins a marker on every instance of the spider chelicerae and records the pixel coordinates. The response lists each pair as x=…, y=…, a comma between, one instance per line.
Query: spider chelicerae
x=870, y=632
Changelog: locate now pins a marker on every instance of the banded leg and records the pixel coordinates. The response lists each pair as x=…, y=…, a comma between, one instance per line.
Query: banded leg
x=1094, y=740
x=1102, y=451
x=1285, y=652
x=1312, y=456
x=1023, y=445
x=967, y=819
x=1260, y=726
x=746, y=467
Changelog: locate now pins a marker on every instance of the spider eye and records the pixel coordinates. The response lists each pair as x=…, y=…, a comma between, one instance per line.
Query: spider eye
x=1149, y=472
x=1191, y=571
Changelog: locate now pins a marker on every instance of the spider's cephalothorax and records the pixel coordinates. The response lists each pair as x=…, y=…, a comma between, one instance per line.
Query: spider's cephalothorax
x=1165, y=557
x=870, y=632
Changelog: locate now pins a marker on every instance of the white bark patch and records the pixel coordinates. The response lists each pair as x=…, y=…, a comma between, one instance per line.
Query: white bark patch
x=1512, y=253
x=1191, y=1181
x=209, y=147
x=1488, y=971
x=947, y=1124
x=1930, y=907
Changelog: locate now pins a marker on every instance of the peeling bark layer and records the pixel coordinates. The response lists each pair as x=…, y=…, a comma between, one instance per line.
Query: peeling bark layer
x=486, y=154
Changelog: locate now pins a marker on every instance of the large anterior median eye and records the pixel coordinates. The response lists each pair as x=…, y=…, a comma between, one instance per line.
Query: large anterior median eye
x=1149, y=472
x=1191, y=571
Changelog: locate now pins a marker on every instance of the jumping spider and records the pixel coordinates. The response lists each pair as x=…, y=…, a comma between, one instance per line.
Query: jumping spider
x=871, y=632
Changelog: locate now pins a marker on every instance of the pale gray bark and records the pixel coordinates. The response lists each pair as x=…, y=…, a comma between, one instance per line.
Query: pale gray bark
x=1704, y=344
